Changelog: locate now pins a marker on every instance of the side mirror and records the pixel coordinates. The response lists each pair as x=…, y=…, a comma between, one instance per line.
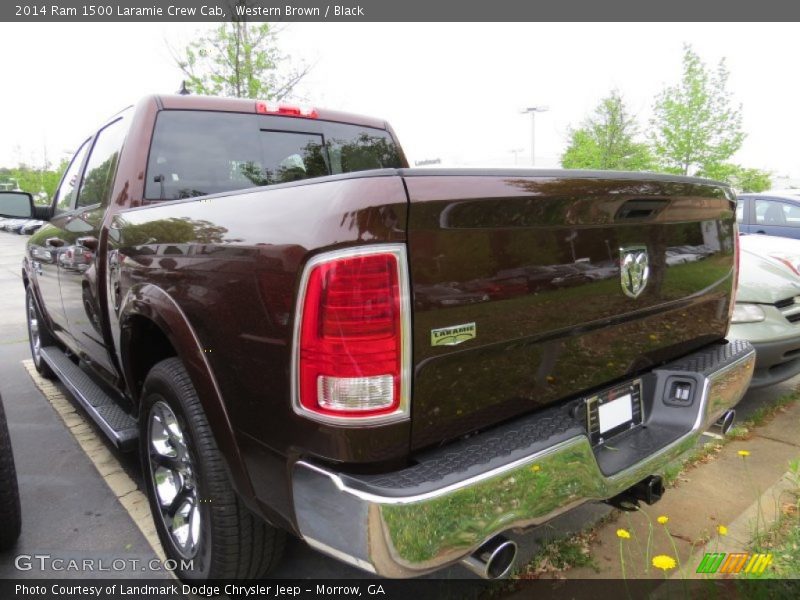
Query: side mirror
x=17, y=205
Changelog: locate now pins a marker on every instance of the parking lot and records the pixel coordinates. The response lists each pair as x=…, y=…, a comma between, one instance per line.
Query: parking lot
x=71, y=510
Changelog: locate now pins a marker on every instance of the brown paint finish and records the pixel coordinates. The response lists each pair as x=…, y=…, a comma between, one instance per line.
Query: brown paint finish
x=534, y=263
x=530, y=257
x=238, y=292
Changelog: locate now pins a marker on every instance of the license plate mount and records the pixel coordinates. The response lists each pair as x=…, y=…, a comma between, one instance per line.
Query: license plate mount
x=614, y=411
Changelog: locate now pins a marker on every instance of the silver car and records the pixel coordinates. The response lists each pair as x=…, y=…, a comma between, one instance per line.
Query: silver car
x=767, y=309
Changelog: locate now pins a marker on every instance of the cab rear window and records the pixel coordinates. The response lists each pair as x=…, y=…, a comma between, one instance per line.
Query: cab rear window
x=195, y=153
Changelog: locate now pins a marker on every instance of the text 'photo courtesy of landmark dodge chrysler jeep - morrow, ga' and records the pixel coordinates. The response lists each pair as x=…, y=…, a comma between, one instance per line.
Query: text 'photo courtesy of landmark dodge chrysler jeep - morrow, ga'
x=302, y=335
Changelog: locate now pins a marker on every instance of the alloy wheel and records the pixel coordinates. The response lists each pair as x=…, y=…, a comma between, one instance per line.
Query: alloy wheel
x=33, y=331
x=173, y=479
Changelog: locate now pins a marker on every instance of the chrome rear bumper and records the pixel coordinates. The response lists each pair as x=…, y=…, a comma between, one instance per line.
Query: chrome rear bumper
x=407, y=530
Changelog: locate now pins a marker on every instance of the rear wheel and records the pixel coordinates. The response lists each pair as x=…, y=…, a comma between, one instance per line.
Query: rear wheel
x=9, y=493
x=38, y=335
x=202, y=523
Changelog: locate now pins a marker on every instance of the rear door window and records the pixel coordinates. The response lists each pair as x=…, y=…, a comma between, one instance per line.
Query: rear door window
x=67, y=190
x=774, y=212
x=102, y=164
x=195, y=153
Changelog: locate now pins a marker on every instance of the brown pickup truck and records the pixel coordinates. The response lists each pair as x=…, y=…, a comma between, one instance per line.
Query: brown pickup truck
x=301, y=334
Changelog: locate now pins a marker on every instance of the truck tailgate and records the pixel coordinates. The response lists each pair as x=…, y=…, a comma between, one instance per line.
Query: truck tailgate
x=520, y=299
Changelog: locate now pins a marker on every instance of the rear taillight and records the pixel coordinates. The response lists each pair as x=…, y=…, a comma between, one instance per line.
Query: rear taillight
x=352, y=350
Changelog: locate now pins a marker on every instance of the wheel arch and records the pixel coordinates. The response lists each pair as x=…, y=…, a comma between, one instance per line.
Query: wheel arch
x=153, y=327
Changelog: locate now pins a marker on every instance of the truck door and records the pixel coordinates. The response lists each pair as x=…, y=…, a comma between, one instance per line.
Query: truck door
x=47, y=246
x=79, y=269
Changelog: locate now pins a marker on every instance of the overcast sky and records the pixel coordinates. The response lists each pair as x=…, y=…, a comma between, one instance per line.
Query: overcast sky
x=451, y=91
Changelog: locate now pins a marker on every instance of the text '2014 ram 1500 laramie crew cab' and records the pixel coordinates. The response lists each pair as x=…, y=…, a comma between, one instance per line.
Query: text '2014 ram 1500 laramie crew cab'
x=301, y=334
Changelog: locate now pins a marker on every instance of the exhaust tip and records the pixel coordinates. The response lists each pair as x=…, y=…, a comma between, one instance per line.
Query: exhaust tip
x=494, y=559
x=725, y=422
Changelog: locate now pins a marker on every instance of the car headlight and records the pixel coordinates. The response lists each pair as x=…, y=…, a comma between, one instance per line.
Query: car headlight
x=747, y=313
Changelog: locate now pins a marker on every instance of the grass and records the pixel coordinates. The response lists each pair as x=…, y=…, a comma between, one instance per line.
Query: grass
x=782, y=540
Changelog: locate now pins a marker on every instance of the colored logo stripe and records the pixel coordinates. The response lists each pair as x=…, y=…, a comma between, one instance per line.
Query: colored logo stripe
x=758, y=563
x=734, y=562
x=711, y=562
x=719, y=562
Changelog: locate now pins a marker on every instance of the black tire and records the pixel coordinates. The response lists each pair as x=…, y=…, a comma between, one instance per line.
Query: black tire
x=10, y=515
x=233, y=542
x=37, y=328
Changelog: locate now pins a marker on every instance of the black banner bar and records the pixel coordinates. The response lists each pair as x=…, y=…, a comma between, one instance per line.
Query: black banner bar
x=399, y=11
x=388, y=589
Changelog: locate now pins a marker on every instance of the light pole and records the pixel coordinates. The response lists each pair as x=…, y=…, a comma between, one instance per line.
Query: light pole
x=533, y=110
x=515, y=152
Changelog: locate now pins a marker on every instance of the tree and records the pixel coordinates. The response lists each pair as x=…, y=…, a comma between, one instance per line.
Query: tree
x=751, y=180
x=696, y=127
x=606, y=140
x=239, y=59
x=741, y=178
x=40, y=182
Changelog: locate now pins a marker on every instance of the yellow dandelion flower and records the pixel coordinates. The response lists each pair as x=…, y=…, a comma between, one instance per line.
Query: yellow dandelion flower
x=536, y=468
x=663, y=519
x=744, y=453
x=722, y=530
x=664, y=562
x=623, y=534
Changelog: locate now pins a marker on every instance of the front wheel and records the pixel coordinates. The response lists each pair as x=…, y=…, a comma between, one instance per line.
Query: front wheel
x=38, y=335
x=201, y=522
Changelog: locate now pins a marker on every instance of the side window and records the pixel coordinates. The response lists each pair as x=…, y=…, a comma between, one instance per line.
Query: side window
x=792, y=212
x=773, y=212
x=740, y=210
x=102, y=164
x=65, y=197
